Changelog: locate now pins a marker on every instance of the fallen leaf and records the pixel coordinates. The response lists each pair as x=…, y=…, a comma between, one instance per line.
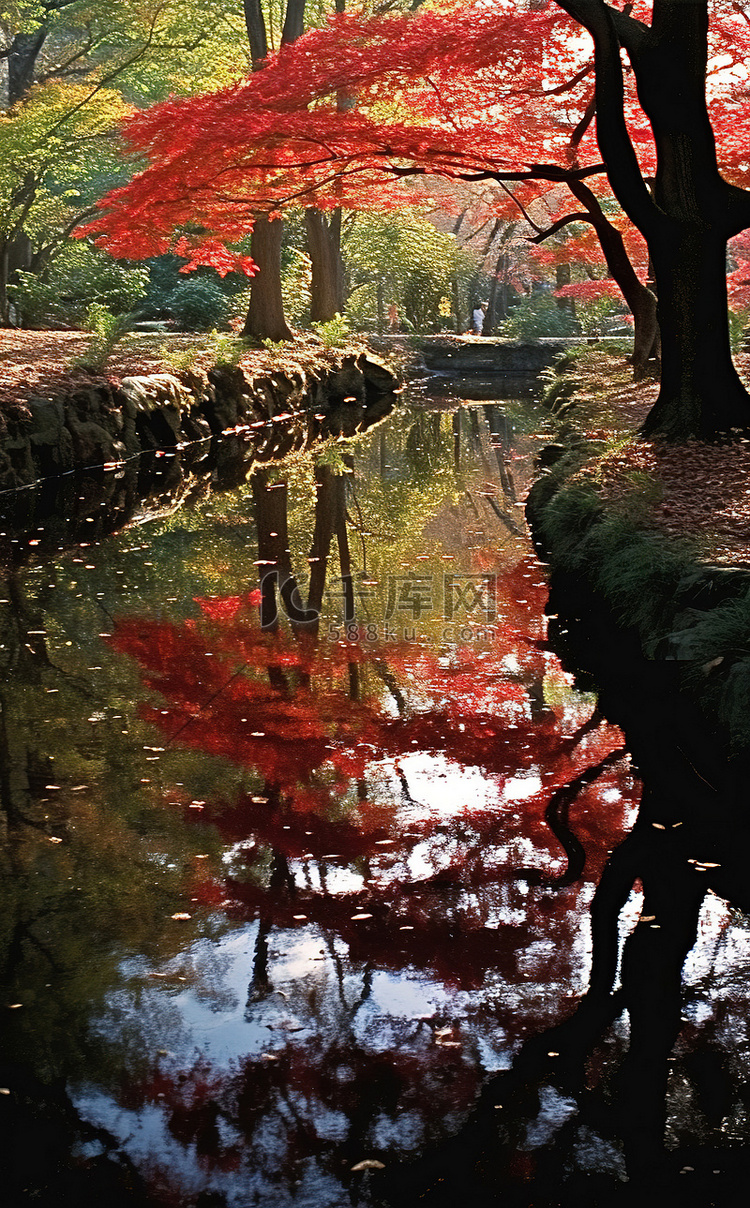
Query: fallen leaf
x=369, y=1164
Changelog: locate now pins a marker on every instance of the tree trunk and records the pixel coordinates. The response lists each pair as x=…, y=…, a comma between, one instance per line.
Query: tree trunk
x=4, y=299
x=324, y=246
x=325, y=522
x=701, y=393
x=22, y=56
x=562, y=278
x=276, y=574
x=294, y=22
x=257, y=38
x=265, y=317
x=640, y=299
x=690, y=216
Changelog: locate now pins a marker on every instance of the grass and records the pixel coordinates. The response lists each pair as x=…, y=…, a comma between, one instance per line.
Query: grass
x=597, y=512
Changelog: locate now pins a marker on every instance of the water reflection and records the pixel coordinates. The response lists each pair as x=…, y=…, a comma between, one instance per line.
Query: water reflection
x=641, y=1093
x=304, y=824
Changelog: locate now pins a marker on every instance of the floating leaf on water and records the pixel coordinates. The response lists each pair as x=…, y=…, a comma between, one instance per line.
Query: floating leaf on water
x=13, y=1006
x=357, y=917
x=713, y=663
x=181, y=915
x=368, y=1164
x=299, y=917
x=4, y=1090
x=659, y=825
x=54, y=839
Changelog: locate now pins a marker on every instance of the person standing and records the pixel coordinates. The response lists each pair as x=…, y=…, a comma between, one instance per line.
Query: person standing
x=477, y=317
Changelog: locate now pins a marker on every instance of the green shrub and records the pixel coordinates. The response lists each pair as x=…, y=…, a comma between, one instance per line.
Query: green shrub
x=225, y=349
x=401, y=259
x=738, y=325
x=108, y=330
x=536, y=317
x=81, y=276
x=180, y=359
x=334, y=333
x=594, y=315
x=198, y=304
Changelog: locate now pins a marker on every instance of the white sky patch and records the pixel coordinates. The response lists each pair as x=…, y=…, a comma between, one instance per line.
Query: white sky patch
x=520, y=788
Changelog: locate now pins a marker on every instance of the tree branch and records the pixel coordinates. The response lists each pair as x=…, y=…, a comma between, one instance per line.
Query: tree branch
x=613, y=137
x=578, y=216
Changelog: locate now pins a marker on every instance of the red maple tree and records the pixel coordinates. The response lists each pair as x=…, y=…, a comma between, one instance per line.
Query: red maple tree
x=283, y=707
x=283, y=137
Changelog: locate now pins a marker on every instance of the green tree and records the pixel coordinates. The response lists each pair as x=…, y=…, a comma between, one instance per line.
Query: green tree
x=73, y=68
x=401, y=259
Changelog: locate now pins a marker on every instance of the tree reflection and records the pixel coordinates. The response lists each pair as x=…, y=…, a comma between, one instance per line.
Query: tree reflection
x=331, y=849
x=628, y=1068
x=356, y=865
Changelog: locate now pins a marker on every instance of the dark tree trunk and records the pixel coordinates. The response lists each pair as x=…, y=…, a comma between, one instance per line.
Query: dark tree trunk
x=4, y=299
x=265, y=317
x=325, y=523
x=562, y=278
x=294, y=21
x=324, y=246
x=701, y=392
x=22, y=56
x=256, y=33
x=692, y=213
x=15, y=253
x=271, y=507
x=640, y=299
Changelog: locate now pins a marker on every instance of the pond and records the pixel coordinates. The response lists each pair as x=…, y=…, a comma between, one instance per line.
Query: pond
x=304, y=820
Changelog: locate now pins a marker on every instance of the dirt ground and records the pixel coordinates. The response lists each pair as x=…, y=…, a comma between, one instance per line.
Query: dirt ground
x=42, y=363
x=693, y=491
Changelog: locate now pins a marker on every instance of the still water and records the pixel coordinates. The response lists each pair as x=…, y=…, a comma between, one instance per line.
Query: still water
x=303, y=824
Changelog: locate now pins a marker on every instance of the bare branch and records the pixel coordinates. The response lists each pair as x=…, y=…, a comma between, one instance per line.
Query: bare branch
x=578, y=216
x=607, y=26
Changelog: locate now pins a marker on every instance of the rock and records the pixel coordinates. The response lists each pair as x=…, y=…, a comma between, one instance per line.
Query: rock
x=101, y=423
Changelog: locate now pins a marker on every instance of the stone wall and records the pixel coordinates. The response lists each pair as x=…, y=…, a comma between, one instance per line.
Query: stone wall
x=106, y=422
